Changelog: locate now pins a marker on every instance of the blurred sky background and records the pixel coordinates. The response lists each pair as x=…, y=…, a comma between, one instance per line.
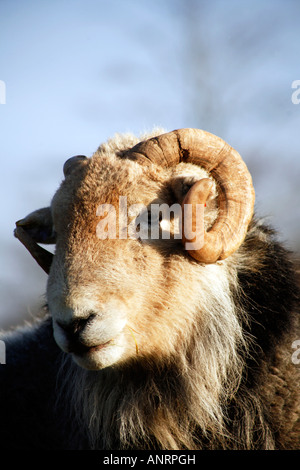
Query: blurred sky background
x=77, y=71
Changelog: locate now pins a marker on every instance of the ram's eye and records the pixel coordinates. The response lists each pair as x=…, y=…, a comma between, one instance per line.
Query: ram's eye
x=153, y=218
x=146, y=223
x=148, y=218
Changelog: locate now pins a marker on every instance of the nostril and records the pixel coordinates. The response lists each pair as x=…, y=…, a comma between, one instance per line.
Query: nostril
x=67, y=327
x=78, y=325
x=72, y=333
x=75, y=326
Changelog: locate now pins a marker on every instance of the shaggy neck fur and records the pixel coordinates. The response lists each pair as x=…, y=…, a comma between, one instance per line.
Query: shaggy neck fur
x=169, y=403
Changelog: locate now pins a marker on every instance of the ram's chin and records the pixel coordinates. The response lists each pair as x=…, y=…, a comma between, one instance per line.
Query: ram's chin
x=99, y=358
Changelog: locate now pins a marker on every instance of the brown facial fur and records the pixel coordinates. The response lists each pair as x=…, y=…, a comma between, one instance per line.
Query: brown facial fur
x=146, y=276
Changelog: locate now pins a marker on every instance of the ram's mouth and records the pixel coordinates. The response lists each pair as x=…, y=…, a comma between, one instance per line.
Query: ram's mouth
x=80, y=349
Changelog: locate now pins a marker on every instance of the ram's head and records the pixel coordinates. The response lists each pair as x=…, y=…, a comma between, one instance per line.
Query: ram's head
x=125, y=281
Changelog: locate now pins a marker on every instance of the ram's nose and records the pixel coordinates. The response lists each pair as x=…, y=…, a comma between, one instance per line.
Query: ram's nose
x=73, y=330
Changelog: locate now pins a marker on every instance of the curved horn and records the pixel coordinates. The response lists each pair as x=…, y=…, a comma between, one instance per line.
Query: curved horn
x=43, y=257
x=71, y=162
x=235, y=189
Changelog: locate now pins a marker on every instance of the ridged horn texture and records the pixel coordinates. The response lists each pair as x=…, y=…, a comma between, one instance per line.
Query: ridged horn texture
x=235, y=189
x=43, y=257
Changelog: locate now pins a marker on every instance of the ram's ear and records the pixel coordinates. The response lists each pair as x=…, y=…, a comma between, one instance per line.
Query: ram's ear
x=39, y=226
x=182, y=184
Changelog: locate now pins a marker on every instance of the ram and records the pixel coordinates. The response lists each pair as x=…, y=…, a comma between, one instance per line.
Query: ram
x=179, y=341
